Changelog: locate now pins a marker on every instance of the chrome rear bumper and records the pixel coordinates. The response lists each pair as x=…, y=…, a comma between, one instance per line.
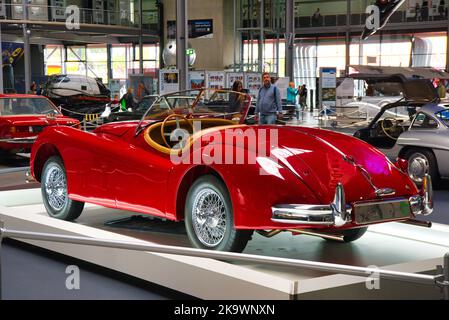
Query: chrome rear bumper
x=26, y=140
x=338, y=213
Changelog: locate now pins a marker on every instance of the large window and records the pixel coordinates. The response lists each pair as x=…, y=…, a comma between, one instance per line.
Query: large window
x=272, y=49
x=97, y=62
x=429, y=50
x=54, y=59
x=92, y=60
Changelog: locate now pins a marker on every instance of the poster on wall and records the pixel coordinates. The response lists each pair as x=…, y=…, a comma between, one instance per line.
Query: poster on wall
x=142, y=85
x=197, y=80
x=231, y=77
x=328, y=88
x=216, y=80
x=168, y=81
x=253, y=82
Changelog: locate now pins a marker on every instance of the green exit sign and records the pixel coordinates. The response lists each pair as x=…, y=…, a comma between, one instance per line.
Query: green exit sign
x=190, y=52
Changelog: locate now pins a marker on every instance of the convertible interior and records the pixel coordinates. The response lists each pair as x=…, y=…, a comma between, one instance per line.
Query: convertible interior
x=177, y=132
x=387, y=126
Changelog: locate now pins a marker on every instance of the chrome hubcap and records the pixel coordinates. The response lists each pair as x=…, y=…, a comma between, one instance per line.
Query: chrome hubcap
x=418, y=167
x=209, y=217
x=56, y=187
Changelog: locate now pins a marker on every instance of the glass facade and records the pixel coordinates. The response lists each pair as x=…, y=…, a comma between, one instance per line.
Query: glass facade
x=92, y=60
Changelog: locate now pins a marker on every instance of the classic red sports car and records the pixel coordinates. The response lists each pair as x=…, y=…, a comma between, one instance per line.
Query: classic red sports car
x=23, y=117
x=226, y=180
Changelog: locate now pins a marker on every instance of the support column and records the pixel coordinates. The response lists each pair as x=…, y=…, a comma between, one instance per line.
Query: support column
x=261, y=36
x=234, y=33
x=289, y=37
x=1, y=70
x=348, y=37
x=447, y=46
x=160, y=10
x=26, y=47
x=109, y=61
x=181, y=42
x=140, y=39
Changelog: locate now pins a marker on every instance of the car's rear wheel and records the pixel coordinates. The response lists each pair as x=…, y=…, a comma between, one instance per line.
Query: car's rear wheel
x=420, y=163
x=349, y=235
x=55, y=193
x=209, y=218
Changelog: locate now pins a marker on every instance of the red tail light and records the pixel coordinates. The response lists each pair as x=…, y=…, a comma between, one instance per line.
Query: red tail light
x=402, y=164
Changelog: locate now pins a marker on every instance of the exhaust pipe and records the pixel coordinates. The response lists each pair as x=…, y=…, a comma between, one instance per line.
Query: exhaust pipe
x=272, y=233
x=414, y=222
x=318, y=234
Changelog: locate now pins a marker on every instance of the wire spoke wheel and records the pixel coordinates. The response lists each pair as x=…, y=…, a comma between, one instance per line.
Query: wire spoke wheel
x=55, y=192
x=209, y=217
x=56, y=187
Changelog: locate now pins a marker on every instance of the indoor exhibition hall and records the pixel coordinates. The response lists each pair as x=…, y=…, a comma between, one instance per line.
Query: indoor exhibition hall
x=224, y=150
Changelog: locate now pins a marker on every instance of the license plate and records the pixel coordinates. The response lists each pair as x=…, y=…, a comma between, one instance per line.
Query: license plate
x=371, y=212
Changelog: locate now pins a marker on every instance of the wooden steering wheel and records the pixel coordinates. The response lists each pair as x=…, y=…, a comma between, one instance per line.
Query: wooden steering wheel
x=390, y=130
x=178, y=126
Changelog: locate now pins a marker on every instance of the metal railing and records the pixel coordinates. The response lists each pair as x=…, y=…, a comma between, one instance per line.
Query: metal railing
x=356, y=19
x=123, y=18
x=440, y=280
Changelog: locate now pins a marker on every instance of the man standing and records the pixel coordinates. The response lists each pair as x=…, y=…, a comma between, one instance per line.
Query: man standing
x=268, y=106
x=303, y=97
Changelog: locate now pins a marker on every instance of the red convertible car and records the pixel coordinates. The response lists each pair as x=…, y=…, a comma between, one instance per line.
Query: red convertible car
x=305, y=180
x=23, y=117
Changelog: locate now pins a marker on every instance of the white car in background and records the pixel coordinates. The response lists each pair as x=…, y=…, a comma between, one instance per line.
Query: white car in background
x=379, y=94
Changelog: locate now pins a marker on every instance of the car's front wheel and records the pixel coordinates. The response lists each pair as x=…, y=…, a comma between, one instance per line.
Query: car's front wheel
x=420, y=163
x=209, y=218
x=55, y=194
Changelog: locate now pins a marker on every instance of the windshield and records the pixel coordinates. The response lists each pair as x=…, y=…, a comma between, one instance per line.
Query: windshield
x=443, y=116
x=212, y=103
x=26, y=106
x=204, y=103
x=145, y=103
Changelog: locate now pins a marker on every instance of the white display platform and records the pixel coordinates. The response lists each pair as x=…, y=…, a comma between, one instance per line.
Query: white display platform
x=389, y=246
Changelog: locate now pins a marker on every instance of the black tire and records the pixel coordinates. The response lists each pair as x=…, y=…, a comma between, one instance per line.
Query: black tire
x=349, y=235
x=211, y=188
x=425, y=155
x=58, y=206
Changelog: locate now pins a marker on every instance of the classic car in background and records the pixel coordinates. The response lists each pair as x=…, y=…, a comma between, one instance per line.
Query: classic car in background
x=134, y=114
x=378, y=95
x=415, y=129
x=77, y=94
x=23, y=117
x=306, y=180
x=426, y=144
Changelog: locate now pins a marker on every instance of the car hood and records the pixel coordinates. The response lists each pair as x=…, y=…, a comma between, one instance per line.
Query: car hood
x=37, y=120
x=322, y=159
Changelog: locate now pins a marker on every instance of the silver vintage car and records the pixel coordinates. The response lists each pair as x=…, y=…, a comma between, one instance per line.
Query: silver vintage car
x=415, y=128
x=426, y=143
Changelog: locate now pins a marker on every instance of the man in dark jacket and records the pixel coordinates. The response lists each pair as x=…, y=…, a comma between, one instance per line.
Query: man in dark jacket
x=127, y=101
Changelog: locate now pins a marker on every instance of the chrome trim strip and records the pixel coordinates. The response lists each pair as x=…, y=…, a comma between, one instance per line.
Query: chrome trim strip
x=338, y=213
x=427, y=195
x=334, y=214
